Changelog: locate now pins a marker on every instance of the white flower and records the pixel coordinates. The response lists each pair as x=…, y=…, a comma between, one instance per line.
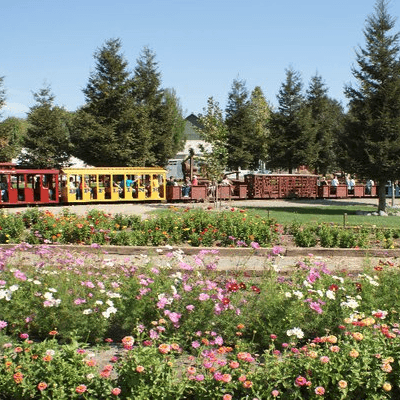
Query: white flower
x=288, y=295
x=350, y=303
x=298, y=294
x=113, y=295
x=89, y=377
x=87, y=311
x=330, y=294
x=36, y=282
x=5, y=294
x=110, y=303
x=306, y=283
x=50, y=352
x=338, y=278
x=295, y=332
x=52, y=290
x=13, y=288
x=98, y=302
x=320, y=293
x=48, y=296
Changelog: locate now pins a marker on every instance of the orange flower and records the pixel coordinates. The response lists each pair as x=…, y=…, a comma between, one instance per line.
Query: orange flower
x=18, y=377
x=164, y=348
x=139, y=368
x=47, y=357
x=247, y=384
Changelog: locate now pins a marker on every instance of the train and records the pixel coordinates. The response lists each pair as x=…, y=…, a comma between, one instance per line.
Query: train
x=141, y=184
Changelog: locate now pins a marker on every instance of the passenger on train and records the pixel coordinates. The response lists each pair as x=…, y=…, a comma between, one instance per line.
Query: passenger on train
x=368, y=186
x=195, y=182
x=334, y=185
x=171, y=181
x=186, y=187
x=4, y=189
x=73, y=187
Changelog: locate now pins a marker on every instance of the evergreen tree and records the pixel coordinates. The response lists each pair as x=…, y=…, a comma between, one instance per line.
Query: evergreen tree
x=166, y=122
x=12, y=133
x=260, y=113
x=372, y=136
x=111, y=129
x=240, y=127
x=327, y=119
x=292, y=134
x=47, y=143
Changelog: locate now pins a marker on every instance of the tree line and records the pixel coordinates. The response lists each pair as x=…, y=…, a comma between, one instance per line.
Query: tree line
x=129, y=119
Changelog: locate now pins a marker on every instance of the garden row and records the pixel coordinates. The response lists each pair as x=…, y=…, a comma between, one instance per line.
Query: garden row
x=206, y=228
x=185, y=332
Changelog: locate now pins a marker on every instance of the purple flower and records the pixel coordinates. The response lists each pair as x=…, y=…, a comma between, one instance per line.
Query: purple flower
x=276, y=250
x=203, y=296
x=316, y=307
x=254, y=245
x=3, y=324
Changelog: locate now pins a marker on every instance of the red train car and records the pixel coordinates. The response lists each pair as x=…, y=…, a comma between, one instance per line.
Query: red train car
x=28, y=186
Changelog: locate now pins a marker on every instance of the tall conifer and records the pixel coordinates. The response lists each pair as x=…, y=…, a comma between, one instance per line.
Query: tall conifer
x=372, y=136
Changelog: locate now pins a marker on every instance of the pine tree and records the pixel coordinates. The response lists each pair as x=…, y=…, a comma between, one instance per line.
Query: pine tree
x=372, y=136
x=111, y=129
x=162, y=106
x=47, y=142
x=327, y=120
x=260, y=113
x=240, y=127
x=292, y=134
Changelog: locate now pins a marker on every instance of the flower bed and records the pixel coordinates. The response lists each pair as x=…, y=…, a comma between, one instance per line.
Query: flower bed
x=184, y=333
x=198, y=228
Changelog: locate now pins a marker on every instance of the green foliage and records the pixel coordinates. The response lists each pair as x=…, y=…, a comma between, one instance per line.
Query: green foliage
x=292, y=133
x=372, y=136
x=12, y=133
x=240, y=128
x=214, y=132
x=327, y=120
x=47, y=140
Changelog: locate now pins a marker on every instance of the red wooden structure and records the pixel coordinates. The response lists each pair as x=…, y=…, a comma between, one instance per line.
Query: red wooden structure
x=281, y=186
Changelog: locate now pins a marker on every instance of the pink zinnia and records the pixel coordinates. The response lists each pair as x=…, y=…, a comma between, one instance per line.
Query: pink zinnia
x=319, y=391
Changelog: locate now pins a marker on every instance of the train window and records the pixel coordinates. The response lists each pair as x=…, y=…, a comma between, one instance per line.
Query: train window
x=21, y=187
x=4, y=188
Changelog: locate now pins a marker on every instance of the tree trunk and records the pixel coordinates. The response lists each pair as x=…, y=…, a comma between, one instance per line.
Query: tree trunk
x=382, y=196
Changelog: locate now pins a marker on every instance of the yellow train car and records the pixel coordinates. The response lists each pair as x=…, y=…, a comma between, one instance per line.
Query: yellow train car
x=84, y=185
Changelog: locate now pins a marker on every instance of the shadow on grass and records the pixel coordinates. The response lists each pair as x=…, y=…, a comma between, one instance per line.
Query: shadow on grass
x=316, y=211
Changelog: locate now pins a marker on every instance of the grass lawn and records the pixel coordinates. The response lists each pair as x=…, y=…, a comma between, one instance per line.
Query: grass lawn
x=329, y=214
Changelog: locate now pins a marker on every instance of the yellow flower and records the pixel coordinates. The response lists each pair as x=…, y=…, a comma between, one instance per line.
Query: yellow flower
x=354, y=353
x=342, y=384
x=387, y=387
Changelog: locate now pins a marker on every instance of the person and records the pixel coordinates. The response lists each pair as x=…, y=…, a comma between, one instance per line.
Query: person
x=226, y=181
x=4, y=189
x=186, y=187
x=334, y=185
x=171, y=181
x=74, y=188
x=368, y=186
x=195, y=182
x=323, y=182
x=351, y=184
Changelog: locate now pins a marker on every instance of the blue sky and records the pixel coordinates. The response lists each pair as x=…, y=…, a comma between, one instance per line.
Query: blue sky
x=201, y=45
